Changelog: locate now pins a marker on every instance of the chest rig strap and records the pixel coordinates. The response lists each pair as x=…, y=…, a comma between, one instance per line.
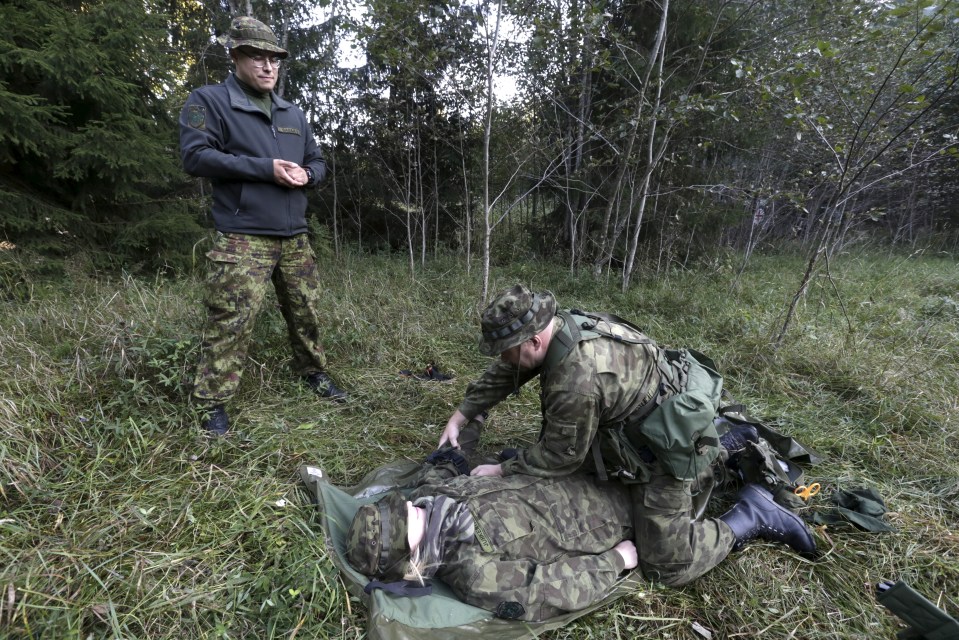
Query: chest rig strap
x=579, y=326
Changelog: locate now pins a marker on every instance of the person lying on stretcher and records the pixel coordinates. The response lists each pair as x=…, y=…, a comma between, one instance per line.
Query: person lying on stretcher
x=521, y=546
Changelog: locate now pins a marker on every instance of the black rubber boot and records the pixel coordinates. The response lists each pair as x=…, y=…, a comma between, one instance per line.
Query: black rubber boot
x=324, y=386
x=757, y=516
x=216, y=421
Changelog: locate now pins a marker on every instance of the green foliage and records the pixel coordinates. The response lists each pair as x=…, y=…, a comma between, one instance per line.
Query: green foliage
x=15, y=281
x=86, y=133
x=422, y=88
x=119, y=519
x=860, y=110
x=846, y=122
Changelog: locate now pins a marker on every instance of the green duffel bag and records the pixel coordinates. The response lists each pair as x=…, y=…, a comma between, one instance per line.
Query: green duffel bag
x=680, y=432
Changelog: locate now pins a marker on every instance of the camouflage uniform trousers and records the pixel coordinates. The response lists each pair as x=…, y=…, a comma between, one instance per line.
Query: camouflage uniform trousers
x=241, y=267
x=674, y=546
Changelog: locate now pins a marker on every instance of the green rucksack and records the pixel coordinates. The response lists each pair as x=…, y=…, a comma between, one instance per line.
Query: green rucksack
x=678, y=430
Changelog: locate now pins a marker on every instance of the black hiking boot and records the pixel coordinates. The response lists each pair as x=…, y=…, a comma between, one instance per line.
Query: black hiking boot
x=757, y=516
x=324, y=386
x=215, y=421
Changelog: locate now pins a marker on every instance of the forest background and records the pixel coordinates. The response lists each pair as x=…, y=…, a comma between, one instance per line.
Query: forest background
x=771, y=182
x=636, y=135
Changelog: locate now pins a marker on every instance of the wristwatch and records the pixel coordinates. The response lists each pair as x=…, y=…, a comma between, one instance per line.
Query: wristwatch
x=309, y=175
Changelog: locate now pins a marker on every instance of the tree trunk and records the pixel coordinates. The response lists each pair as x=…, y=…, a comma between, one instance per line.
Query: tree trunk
x=606, y=239
x=653, y=155
x=492, y=41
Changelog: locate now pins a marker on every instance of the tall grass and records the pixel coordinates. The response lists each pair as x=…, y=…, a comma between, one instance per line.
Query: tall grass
x=118, y=518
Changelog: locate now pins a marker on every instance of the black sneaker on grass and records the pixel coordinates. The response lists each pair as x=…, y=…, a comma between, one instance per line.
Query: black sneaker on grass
x=324, y=386
x=216, y=421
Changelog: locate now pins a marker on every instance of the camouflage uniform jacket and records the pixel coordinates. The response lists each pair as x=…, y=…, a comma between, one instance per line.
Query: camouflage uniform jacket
x=599, y=383
x=542, y=546
x=227, y=138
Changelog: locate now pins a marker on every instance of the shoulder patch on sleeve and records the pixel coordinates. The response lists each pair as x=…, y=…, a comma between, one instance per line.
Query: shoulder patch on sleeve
x=196, y=116
x=509, y=610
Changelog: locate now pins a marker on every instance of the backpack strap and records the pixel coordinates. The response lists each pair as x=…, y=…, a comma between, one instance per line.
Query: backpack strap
x=597, y=451
x=579, y=326
x=612, y=318
x=400, y=588
x=591, y=322
x=564, y=340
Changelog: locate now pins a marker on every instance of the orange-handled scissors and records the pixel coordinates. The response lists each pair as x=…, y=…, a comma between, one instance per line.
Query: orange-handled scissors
x=805, y=492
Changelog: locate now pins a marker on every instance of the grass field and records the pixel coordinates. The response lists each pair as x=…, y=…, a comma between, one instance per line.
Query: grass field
x=118, y=518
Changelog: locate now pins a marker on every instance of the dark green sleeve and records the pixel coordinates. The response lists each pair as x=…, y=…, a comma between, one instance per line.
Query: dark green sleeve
x=571, y=420
x=203, y=147
x=496, y=383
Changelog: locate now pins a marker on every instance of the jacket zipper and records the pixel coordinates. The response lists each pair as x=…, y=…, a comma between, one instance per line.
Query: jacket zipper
x=279, y=154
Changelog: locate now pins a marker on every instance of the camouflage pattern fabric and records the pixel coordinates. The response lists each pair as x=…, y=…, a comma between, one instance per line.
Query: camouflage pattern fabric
x=673, y=548
x=441, y=466
x=587, y=395
x=542, y=546
x=250, y=32
x=377, y=550
x=513, y=317
x=596, y=385
x=241, y=268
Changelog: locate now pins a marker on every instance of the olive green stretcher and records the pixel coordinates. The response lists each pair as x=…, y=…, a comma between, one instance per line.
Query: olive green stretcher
x=438, y=615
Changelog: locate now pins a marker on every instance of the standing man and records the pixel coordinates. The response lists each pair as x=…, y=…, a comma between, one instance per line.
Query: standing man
x=614, y=402
x=260, y=155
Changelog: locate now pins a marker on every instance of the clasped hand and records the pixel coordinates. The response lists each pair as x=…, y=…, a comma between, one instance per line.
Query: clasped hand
x=289, y=174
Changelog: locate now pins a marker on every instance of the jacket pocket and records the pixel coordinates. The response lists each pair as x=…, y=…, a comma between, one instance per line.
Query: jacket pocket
x=214, y=255
x=495, y=529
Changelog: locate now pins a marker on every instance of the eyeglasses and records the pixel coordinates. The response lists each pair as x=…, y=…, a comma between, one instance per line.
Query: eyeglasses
x=260, y=60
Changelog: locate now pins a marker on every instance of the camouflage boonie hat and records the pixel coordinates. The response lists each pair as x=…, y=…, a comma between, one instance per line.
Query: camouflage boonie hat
x=513, y=317
x=250, y=32
x=376, y=544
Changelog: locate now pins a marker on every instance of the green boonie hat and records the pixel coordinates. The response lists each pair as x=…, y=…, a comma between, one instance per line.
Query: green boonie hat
x=376, y=544
x=250, y=32
x=513, y=317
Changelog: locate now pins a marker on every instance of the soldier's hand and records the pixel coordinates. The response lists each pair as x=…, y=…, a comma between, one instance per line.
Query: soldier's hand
x=299, y=175
x=627, y=550
x=451, y=433
x=490, y=470
x=288, y=174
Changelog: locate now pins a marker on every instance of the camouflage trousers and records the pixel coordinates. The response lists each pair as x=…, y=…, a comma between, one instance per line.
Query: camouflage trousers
x=241, y=268
x=675, y=546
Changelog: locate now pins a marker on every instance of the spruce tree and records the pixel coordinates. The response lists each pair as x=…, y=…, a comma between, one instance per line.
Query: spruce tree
x=88, y=132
